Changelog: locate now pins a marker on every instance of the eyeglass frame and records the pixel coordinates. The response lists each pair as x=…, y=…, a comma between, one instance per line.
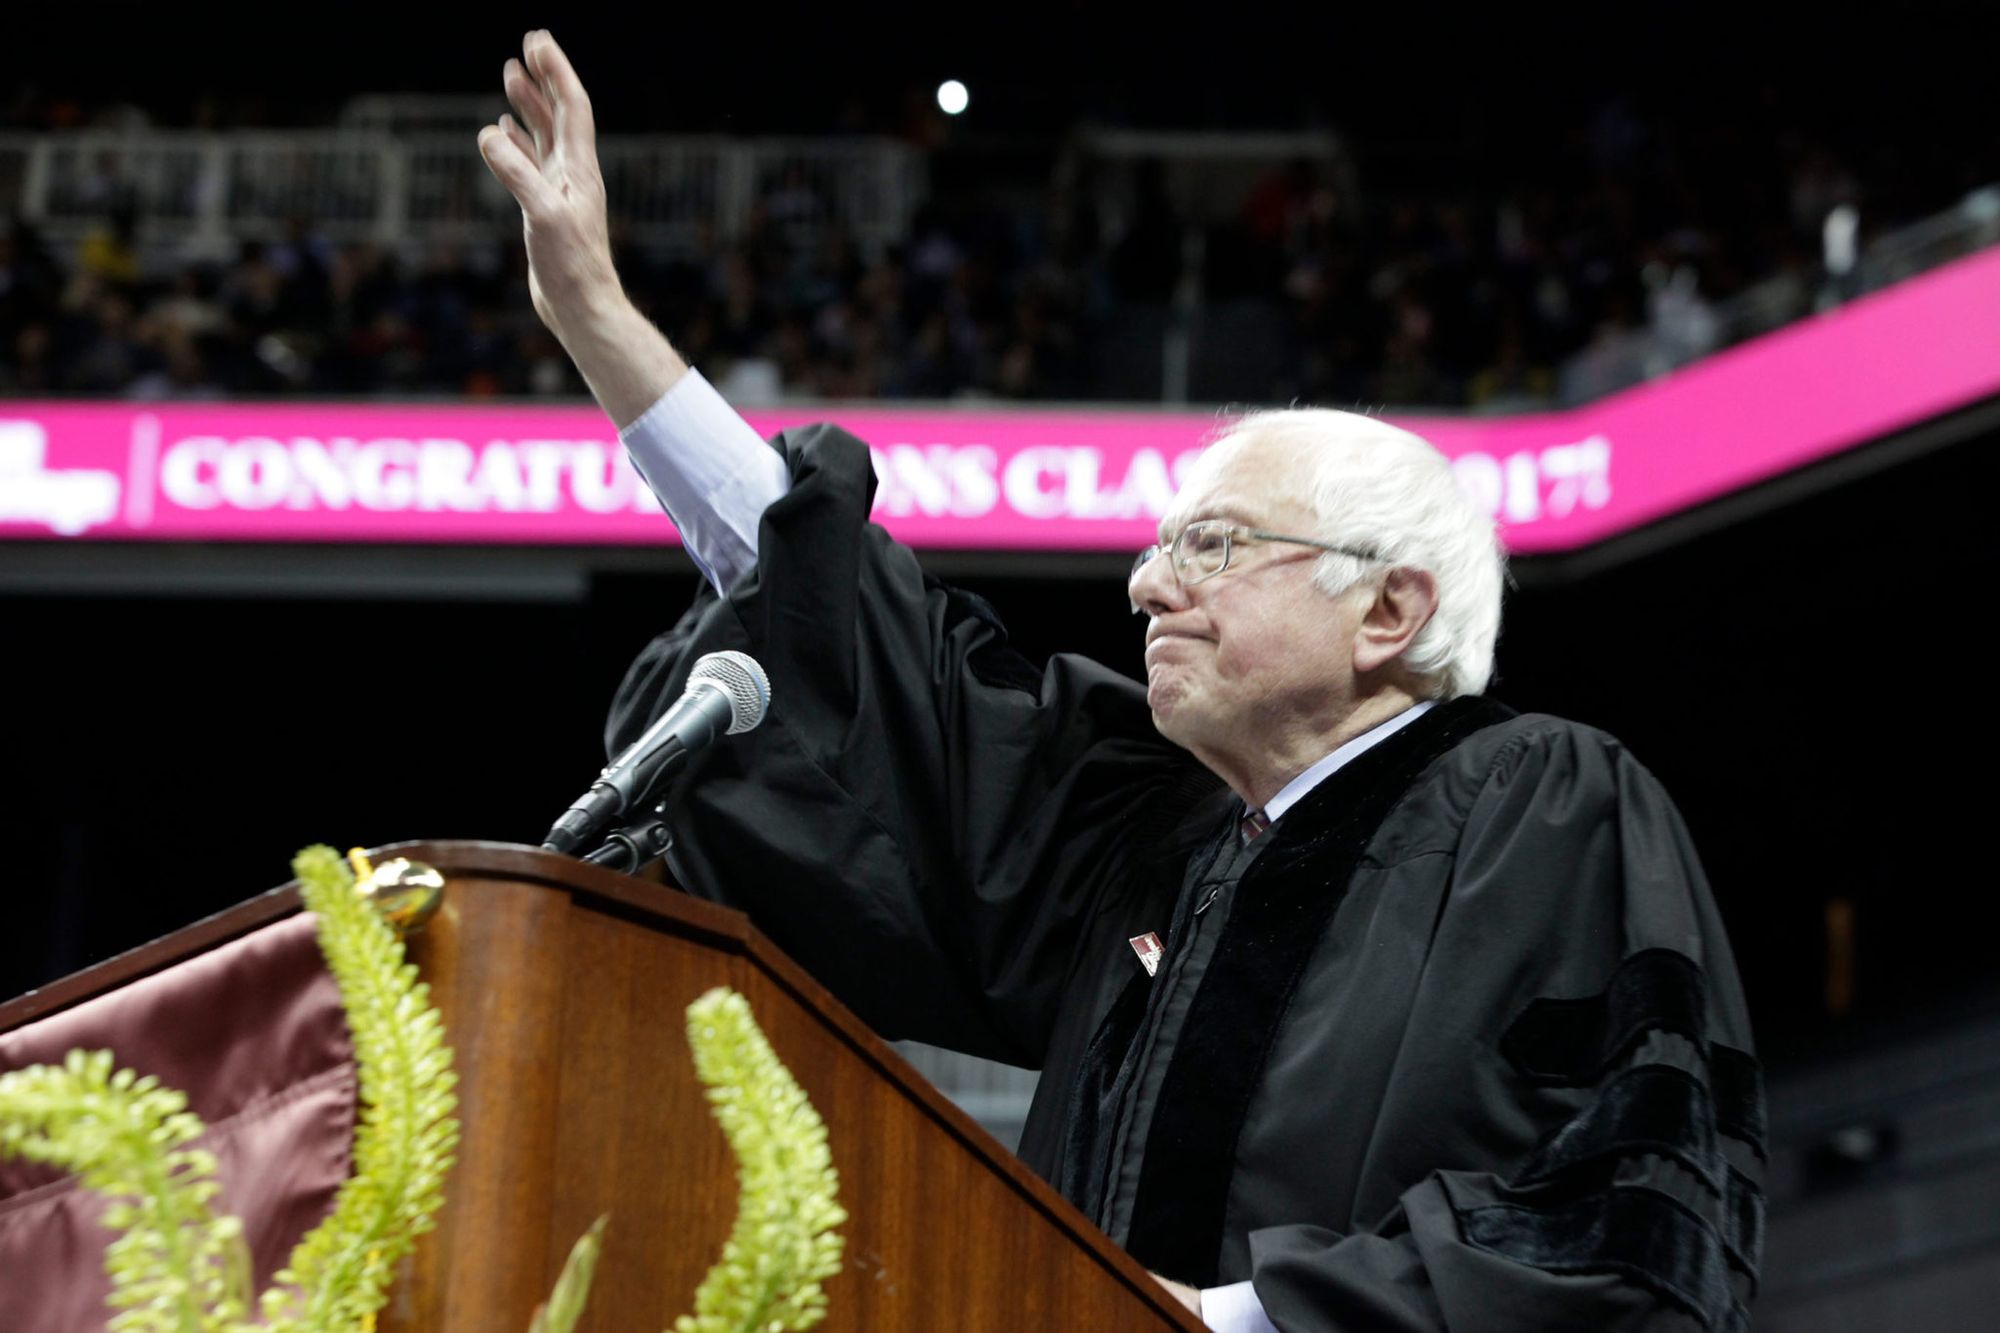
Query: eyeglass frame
x=1231, y=533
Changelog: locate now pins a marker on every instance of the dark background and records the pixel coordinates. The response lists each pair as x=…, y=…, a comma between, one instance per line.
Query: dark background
x=1481, y=97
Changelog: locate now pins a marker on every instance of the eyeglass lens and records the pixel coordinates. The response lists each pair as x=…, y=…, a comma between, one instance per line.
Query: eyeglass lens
x=1202, y=550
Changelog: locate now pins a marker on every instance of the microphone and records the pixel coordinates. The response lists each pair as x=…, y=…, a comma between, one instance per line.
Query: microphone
x=727, y=693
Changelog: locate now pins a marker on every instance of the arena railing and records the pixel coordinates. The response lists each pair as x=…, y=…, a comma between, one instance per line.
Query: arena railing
x=203, y=194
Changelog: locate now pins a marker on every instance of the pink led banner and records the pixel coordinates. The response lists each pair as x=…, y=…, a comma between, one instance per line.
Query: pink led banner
x=985, y=479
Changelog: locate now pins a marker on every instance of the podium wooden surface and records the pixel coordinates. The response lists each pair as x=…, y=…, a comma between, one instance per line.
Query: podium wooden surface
x=564, y=989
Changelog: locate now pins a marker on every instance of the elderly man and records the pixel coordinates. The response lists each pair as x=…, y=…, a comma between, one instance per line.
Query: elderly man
x=1361, y=1001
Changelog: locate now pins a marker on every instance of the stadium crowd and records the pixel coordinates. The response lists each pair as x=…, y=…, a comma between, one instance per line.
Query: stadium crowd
x=1426, y=296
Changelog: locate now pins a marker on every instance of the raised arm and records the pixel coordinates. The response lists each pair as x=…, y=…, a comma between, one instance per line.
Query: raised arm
x=548, y=161
x=708, y=468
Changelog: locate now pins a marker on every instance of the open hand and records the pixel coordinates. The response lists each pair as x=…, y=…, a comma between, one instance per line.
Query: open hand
x=548, y=161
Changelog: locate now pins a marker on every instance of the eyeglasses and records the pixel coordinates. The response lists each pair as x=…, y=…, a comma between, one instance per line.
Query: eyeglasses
x=1202, y=550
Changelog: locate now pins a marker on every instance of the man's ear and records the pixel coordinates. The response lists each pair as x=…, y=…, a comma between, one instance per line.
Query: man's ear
x=1403, y=605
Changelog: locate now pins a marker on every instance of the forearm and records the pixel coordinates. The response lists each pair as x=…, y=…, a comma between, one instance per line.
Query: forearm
x=626, y=362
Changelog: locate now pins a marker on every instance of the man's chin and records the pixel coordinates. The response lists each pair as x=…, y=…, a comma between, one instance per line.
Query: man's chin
x=1169, y=712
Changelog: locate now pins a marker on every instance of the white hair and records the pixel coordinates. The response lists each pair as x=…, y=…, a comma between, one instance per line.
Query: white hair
x=1384, y=490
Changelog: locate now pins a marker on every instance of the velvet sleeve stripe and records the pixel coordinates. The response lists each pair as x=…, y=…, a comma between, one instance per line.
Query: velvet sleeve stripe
x=1637, y=1180
x=1736, y=1082
x=1651, y=1109
x=1571, y=1042
x=1745, y=1217
x=1646, y=1236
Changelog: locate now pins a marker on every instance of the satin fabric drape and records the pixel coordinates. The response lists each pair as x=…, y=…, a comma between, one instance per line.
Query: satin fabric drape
x=252, y=1031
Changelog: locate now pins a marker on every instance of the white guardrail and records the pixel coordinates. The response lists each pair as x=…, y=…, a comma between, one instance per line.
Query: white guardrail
x=203, y=193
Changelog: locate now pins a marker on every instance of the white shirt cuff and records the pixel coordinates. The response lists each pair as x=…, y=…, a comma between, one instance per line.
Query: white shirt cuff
x=1234, y=1309
x=712, y=474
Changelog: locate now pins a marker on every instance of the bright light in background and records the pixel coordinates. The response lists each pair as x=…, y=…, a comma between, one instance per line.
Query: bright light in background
x=952, y=97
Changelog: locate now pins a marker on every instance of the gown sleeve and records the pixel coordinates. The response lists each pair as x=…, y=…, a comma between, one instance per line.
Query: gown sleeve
x=1581, y=1008
x=926, y=820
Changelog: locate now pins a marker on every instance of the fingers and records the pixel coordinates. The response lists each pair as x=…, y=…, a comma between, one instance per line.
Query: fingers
x=575, y=129
x=521, y=139
x=514, y=169
x=529, y=104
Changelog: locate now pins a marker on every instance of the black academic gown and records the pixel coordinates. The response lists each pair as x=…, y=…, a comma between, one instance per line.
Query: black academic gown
x=1464, y=1048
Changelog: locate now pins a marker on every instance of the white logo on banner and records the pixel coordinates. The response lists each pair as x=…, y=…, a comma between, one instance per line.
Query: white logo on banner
x=67, y=502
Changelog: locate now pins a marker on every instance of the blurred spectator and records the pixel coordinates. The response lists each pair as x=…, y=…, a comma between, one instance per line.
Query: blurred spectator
x=30, y=279
x=181, y=371
x=1511, y=382
x=109, y=353
x=1820, y=184
x=29, y=369
x=1613, y=358
x=1683, y=324
x=110, y=252
x=1408, y=374
x=187, y=307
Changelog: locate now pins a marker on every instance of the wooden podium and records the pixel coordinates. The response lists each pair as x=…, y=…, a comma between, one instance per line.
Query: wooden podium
x=564, y=989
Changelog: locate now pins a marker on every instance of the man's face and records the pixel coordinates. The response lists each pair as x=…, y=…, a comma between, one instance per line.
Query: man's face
x=1256, y=652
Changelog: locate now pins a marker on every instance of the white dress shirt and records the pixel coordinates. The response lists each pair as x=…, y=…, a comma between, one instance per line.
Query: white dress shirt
x=711, y=472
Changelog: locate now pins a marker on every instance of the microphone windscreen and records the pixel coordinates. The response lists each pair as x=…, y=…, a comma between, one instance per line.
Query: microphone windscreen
x=742, y=679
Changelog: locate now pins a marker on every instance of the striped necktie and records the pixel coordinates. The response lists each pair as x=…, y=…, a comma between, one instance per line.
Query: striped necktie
x=1252, y=824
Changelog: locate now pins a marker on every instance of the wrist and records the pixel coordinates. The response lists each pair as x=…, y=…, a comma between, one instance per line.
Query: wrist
x=626, y=361
x=591, y=320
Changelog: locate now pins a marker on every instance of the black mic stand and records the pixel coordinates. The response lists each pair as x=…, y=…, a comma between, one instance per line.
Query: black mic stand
x=637, y=844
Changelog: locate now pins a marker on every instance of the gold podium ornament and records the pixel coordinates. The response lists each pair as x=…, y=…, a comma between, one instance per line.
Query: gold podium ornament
x=405, y=892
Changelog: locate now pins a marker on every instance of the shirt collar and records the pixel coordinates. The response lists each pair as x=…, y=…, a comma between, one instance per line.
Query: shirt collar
x=1292, y=792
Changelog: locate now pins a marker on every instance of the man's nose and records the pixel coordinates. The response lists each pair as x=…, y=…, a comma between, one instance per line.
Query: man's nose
x=1154, y=588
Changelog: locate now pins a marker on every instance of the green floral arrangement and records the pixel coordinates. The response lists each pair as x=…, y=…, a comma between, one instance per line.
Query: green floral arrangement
x=564, y=1306
x=405, y=1132
x=177, y=1268
x=784, y=1242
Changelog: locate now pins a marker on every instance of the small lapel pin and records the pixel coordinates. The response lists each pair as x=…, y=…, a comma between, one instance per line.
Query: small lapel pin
x=1147, y=946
